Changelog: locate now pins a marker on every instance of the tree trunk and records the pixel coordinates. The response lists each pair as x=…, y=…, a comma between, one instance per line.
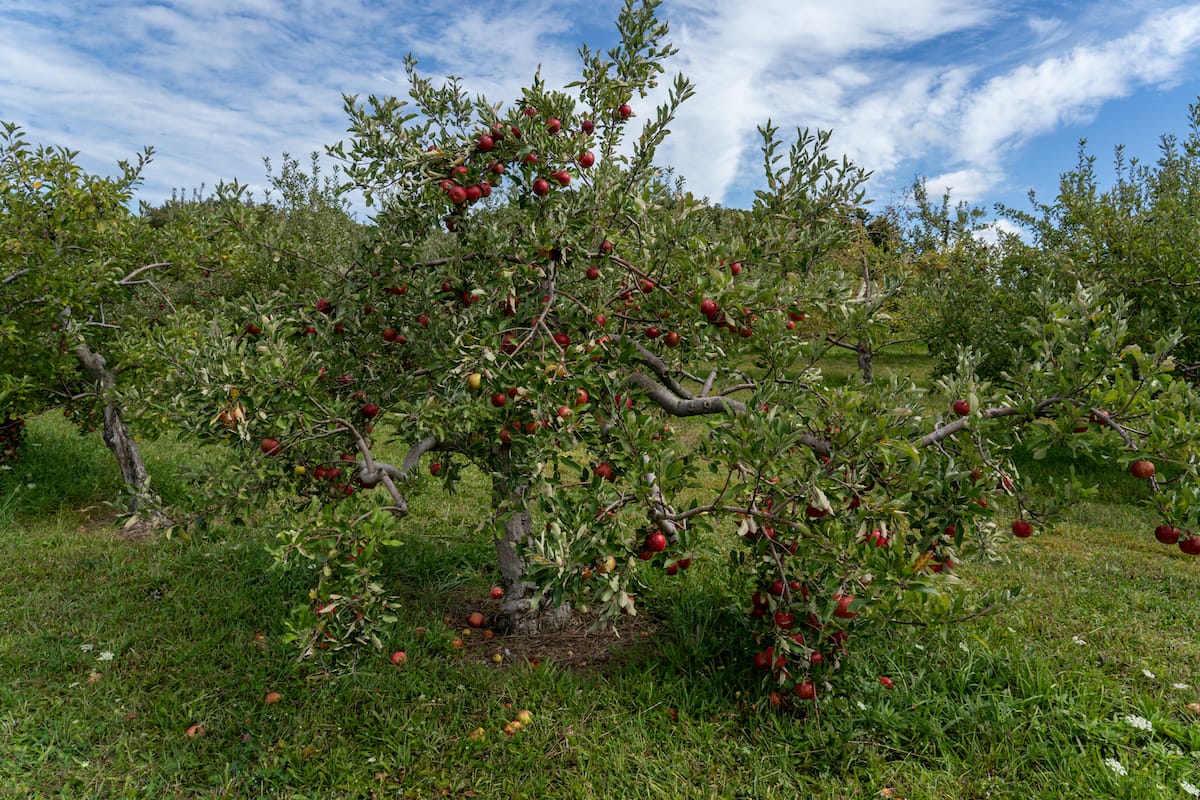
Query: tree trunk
x=116, y=434
x=866, y=363
x=522, y=613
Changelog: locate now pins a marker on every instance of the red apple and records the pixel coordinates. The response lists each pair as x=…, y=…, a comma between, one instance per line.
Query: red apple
x=399, y=657
x=593, y=274
x=806, y=690
x=652, y=332
x=1167, y=534
x=624, y=111
x=1022, y=528
x=671, y=339
x=1190, y=545
x=588, y=126
x=485, y=144
x=606, y=247
x=961, y=407
x=554, y=125
x=709, y=308
x=603, y=471
x=499, y=399
x=886, y=681
x=370, y=410
x=1142, y=469
x=435, y=469
x=843, y=606
x=270, y=447
x=497, y=592
x=562, y=176
x=656, y=542
x=562, y=340
x=587, y=159
x=541, y=187
x=735, y=268
x=252, y=329
x=457, y=195
x=390, y=334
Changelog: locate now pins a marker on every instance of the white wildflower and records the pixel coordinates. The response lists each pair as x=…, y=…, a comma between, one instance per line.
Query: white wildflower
x=861, y=705
x=107, y=655
x=87, y=648
x=1189, y=788
x=1148, y=674
x=1078, y=641
x=1180, y=686
x=963, y=646
x=1141, y=723
x=1115, y=766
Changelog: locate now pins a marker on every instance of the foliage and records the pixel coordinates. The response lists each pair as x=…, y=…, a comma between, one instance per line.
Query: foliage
x=1138, y=237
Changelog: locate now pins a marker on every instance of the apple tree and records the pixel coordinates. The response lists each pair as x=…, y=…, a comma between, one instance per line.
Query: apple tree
x=73, y=274
x=641, y=380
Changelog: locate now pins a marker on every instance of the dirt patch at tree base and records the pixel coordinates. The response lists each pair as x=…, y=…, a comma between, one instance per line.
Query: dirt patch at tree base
x=582, y=644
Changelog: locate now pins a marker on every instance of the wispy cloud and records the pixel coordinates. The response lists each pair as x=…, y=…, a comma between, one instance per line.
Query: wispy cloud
x=956, y=89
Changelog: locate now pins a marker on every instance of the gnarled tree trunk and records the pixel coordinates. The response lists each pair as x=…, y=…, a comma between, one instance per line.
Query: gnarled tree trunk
x=522, y=613
x=116, y=434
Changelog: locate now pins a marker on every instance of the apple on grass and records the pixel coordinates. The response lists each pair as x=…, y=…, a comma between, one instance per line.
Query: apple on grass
x=399, y=657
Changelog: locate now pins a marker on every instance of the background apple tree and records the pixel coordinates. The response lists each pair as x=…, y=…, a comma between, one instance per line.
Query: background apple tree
x=641, y=379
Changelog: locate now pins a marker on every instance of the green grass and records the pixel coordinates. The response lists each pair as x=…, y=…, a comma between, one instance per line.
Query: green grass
x=1027, y=703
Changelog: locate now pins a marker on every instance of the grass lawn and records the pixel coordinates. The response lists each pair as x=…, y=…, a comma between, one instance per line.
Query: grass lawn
x=112, y=646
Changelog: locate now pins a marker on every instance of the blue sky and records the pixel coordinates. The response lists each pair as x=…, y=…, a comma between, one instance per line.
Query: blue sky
x=988, y=98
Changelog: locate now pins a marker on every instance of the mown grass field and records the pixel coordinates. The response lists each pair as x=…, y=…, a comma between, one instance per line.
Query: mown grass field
x=112, y=646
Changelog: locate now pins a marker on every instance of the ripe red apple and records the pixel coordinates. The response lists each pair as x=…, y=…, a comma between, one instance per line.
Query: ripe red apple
x=252, y=329
x=624, y=111
x=1190, y=545
x=709, y=308
x=593, y=274
x=370, y=410
x=485, y=144
x=671, y=339
x=271, y=698
x=563, y=412
x=390, y=334
x=1167, y=534
x=562, y=176
x=497, y=592
x=581, y=397
x=1142, y=469
x=423, y=320
x=764, y=658
x=562, y=340
x=474, y=193
x=554, y=125
x=324, y=306
x=399, y=657
x=435, y=468
x=499, y=399
x=603, y=471
x=656, y=542
x=806, y=690
x=270, y=447
x=606, y=247
x=475, y=620
x=735, y=268
x=886, y=681
x=588, y=126
x=652, y=332
x=843, y=606
x=784, y=620
x=457, y=195
x=1022, y=528
x=961, y=407
x=586, y=159
x=541, y=187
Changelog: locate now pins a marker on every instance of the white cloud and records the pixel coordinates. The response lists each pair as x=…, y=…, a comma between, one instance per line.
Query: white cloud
x=215, y=85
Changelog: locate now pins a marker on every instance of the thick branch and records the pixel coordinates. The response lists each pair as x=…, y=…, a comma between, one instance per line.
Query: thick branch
x=678, y=406
x=129, y=279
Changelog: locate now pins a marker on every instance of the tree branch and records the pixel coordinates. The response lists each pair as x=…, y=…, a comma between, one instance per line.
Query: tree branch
x=678, y=406
x=14, y=276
